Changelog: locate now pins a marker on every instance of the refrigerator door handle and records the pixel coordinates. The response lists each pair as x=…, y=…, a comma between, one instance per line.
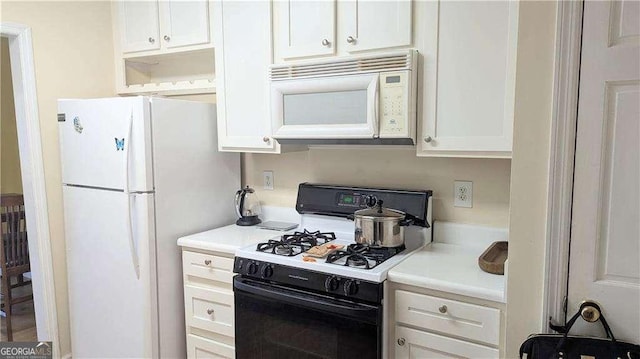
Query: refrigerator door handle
x=134, y=250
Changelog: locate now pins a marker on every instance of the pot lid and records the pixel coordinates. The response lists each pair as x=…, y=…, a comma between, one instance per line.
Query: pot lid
x=378, y=211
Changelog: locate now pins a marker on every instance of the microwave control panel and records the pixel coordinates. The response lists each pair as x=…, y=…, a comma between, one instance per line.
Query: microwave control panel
x=394, y=89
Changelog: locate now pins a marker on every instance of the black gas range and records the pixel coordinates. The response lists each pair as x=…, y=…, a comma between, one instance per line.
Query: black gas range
x=289, y=304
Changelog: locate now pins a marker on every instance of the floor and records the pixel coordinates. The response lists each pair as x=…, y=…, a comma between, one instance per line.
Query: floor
x=23, y=320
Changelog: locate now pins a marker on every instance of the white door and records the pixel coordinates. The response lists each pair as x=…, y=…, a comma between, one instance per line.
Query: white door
x=106, y=143
x=243, y=56
x=139, y=25
x=184, y=23
x=111, y=273
x=605, y=229
x=468, y=79
x=369, y=25
x=305, y=28
x=418, y=344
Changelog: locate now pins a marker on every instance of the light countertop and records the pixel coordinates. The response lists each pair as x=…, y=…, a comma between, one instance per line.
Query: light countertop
x=229, y=238
x=450, y=263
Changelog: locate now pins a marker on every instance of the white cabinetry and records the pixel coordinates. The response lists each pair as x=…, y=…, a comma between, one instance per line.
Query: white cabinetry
x=139, y=26
x=151, y=25
x=153, y=41
x=372, y=25
x=306, y=29
x=243, y=56
x=424, y=324
x=468, y=82
x=208, y=299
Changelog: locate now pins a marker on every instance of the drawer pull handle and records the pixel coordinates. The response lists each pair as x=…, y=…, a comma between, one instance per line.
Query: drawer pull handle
x=210, y=311
x=207, y=262
x=443, y=309
x=401, y=342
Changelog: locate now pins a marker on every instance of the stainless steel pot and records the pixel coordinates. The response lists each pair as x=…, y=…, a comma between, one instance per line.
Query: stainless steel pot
x=381, y=227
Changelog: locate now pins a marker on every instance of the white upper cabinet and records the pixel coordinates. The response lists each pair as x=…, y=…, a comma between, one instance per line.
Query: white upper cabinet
x=184, y=23
x=372, y=25
x=139, y=27
x=243, y=55
x=468, y=82
x=158, y=25
x=305, y=28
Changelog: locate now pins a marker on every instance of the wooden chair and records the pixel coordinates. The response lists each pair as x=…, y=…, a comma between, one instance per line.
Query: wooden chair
x=14, y=253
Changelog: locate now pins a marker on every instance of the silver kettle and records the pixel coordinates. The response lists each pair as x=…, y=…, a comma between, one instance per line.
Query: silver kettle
x=247, y=207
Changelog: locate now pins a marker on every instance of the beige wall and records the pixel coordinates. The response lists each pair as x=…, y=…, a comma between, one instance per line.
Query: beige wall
x=73, y=55
x=530, y=172
x=392, y=168
x=10, y=178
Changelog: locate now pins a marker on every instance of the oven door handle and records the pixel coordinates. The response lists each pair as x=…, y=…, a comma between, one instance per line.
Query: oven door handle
x=361, y=312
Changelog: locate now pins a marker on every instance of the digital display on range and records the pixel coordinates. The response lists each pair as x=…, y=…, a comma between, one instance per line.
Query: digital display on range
x=348, y=200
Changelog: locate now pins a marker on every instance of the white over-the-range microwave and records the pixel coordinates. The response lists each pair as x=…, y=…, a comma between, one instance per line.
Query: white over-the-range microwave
x=368, y=99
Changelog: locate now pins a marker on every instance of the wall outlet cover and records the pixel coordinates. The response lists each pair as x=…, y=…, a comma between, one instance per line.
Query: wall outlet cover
x=267, y=177
x=463, y=194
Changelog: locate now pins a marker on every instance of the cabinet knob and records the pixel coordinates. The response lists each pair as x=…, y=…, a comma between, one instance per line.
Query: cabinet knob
x=152, y=40
x=207, y=262
x=401, y=342
x=167, y=38
x=443, y=309
x=325, y=42
x=351, y=40
x=210, y=311
x=428, y=139
x=266, y=139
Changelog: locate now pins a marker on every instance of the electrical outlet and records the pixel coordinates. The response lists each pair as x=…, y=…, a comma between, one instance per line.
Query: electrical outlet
x=267, y=177
x=463, y=194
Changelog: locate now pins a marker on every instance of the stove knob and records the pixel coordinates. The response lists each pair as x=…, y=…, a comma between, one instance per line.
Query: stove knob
x=252, y=268
x=267, y=271
x=239, y=264
x=350, y=287
x=331, y=283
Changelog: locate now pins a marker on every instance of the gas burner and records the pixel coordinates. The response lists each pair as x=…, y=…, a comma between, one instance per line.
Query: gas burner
x=361, y=256
x=293, y=244
x=309, y=238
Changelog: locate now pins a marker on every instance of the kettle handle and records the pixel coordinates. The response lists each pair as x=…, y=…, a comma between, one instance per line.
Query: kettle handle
x=239, y=201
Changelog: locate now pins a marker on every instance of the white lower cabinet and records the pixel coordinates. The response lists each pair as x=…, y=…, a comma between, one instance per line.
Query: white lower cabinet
x=208, y=300
x=429, y=326
x=413, y=343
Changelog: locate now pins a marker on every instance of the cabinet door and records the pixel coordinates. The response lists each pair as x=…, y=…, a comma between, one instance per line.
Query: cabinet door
x=305, y=28
x=138, y=25
x=243, y=56
x=469, y=79
x=369, y=25
x=184, y=23
x=411, y=343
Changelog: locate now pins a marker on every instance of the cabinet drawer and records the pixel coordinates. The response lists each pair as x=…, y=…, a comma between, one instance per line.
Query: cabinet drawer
x=209, y=309
x=461, y=319
x=207, y=266
x=199, y=347
x=411, y=343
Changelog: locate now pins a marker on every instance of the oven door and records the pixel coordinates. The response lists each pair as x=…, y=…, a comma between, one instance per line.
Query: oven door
x=338, y=107
x=272, y=321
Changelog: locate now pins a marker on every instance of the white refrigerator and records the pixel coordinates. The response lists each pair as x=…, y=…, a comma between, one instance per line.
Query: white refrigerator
x=137, y=173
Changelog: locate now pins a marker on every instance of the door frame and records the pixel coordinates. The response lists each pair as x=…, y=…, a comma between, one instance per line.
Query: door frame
x=561, y=164
x=33, y=180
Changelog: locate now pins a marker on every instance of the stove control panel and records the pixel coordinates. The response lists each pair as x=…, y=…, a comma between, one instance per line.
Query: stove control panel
x=321, y=283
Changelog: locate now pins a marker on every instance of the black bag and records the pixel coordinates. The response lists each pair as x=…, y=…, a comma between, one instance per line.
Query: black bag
x=547, y=346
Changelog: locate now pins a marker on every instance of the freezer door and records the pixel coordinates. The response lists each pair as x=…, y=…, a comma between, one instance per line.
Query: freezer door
x=111, y=273
x=104, y=141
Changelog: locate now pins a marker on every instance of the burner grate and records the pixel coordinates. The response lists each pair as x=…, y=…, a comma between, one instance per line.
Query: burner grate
x=293, y=244
x=361, y=256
